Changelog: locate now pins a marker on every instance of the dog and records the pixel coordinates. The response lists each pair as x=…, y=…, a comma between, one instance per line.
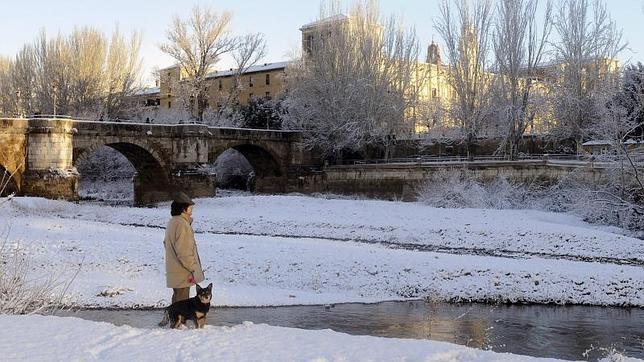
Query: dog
x=194, y=309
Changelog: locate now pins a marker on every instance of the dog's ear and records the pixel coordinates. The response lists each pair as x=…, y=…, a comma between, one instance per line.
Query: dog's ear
x=198, y=287
x=209, y=287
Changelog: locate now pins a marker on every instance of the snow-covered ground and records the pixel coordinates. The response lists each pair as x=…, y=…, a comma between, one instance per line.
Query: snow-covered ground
x=38, y=338
x=280, y=250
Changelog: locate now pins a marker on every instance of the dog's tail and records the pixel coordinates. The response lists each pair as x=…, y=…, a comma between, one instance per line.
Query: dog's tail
x=165, y=320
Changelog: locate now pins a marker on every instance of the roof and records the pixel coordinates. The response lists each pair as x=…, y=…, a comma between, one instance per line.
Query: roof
x=170, y=67
x=605, y=142
x=148, y=91
x=253, y=69
x=330, y=19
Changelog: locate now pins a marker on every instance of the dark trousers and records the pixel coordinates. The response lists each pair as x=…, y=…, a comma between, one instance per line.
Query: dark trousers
x=180, y=294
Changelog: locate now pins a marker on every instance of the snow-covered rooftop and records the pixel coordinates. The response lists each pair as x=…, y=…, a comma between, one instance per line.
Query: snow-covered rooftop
x=330, y=19
x=253, y=69
x=606, y=142
x=148, y=91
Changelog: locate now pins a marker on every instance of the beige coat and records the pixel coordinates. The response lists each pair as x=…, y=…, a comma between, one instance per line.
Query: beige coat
x=181, y=256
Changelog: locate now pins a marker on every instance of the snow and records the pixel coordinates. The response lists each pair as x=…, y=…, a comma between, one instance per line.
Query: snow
x=328, y=20
x=148, y=91
x=287, y=250
x=252, y=69
x=39, y=338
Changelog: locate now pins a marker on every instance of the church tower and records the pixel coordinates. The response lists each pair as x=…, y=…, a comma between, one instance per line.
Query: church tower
x=433, y=54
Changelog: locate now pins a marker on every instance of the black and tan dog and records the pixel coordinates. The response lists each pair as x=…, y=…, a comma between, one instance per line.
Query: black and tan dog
x=194, y=309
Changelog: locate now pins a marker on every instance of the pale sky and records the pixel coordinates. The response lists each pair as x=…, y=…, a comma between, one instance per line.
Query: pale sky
x=279, y=20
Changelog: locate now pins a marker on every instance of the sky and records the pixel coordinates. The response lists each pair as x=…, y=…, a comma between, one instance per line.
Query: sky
x=278, y=20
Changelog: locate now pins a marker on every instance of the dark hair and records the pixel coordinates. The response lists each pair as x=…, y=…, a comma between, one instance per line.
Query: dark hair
x=177, y=208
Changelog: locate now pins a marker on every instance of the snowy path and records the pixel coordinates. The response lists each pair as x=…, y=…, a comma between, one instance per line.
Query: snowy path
x=122, y=266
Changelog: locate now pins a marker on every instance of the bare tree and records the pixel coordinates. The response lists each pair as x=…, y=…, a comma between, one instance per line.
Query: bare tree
x=122, y=70
x=519, y=48
x=250, y=49
x=465, y=29
x=86, y=76
x=7, y=102
x=589, y=42
x=359, y=84
x=83, y=74
x=196, y=44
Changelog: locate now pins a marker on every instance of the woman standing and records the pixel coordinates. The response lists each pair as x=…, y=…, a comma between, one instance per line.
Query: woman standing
x=182, y=263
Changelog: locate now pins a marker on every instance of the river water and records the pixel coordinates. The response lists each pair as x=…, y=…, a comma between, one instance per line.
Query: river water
x=567, y=332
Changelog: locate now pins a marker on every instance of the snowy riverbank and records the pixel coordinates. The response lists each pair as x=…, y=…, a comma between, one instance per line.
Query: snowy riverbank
x=37, y=338
x=302, y=250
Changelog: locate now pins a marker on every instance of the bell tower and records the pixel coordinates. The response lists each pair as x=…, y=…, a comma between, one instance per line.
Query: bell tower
x=433, y=54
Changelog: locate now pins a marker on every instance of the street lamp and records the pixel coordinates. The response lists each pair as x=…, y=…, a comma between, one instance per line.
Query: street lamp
x=18, y=104
x=54, y=88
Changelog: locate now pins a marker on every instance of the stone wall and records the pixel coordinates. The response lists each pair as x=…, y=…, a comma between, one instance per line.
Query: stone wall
x=50, y=171
x=400, y=181
x=13, y=138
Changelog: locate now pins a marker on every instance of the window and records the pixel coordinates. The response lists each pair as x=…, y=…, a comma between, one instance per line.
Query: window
x=221, y=84
x=434, y=93
x=308, y=46
x=250, y=80
x=268, y=79
x=268, y=95
x=250, y=95
x=169, y=104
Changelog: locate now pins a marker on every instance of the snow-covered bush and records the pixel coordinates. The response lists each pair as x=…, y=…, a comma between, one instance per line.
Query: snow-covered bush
x=458, y=190
x=596, y=202
x=20, y=293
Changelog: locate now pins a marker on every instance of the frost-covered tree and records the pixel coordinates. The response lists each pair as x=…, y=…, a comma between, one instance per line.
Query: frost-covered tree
x=249, y=51
x=632, y=95
x=358, y=84
x=588, y=43
x=465, y=28
x=519, y=44
x=623, y=192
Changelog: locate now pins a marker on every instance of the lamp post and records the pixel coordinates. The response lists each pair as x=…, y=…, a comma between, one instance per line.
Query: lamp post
x=18, y=104
x=54, y=88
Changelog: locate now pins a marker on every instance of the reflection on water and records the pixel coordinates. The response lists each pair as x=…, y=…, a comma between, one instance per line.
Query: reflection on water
x=544, y=331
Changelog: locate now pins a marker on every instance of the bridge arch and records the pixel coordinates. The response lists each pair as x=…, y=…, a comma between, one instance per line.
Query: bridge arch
x=151, y=179
x=136, y=152
x=268, y=173
x=263, y=161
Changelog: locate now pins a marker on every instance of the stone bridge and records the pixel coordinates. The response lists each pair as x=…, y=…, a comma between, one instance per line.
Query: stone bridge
x=41, y=156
